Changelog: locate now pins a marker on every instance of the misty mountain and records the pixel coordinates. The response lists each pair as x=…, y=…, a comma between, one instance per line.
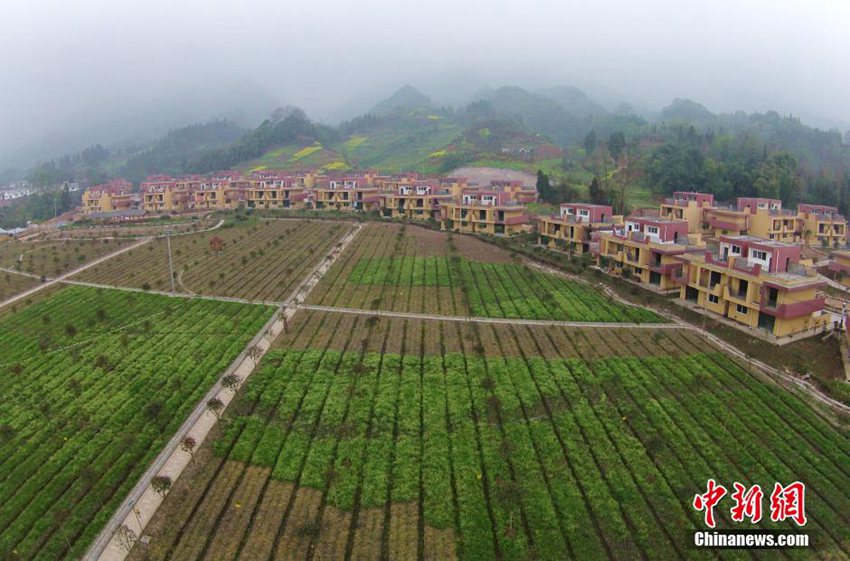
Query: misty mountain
x=406, y=131
x=404, y=99
x=286, y=127
x=575, y=101
x=689, y=111
x=123, y=124
x=173, y=153
x=535, y=111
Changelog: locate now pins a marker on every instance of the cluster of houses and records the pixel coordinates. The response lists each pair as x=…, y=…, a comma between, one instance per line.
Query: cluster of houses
x=744, y=263
x=497, y=208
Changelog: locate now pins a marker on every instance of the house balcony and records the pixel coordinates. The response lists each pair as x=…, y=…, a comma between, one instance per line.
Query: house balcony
x=665, y=268
x=738, y=297
x=716, y=224
x=792, y=310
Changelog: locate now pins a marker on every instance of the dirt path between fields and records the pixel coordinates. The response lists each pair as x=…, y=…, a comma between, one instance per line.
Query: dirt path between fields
x=142, y=502
x=477, y=319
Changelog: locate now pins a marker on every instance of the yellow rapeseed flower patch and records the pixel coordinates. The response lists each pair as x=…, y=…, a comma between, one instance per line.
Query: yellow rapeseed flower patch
x=355, y=141
x=306, y=151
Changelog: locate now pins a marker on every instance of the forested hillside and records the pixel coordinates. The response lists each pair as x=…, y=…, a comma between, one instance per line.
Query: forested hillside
x=586, y=150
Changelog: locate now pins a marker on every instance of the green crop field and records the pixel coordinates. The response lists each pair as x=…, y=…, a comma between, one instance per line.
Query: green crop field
x=56, y=257
x=414, y=270
x=258, y=259
x=367, y=438
x=96, y=381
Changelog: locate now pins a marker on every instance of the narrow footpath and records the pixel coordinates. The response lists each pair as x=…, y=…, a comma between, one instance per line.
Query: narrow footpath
x=64, y=277
x=142, y=502
x=478, y=319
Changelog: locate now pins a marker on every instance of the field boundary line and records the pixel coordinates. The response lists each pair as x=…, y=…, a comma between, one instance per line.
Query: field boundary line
x=478, y=319
x=72, y=272
x=189, y=295
x=215, y=226
x=20, y=273
x=141, y=503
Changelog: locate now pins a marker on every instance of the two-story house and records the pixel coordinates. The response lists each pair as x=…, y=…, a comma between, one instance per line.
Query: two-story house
x=162, y=193
x=647, y=248
x=690, y=206
x=116, y=195
x=484, y=211
x=822, y=225
x=573, y=227
x=758, y=283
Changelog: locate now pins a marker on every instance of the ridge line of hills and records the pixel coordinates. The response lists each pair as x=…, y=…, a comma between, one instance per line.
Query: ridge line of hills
x=560, y=131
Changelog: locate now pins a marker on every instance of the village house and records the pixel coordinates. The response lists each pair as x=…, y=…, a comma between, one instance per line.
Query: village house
x=346, y=192
x=755, y=216
x=840, y=266
x=758, y=283
x=516, y=190
x=769, y=220
x=276, y=190
x=486, y=212
x=645, y=249
x=417, y=200
x=689, y=206
x=572, y=229
x=116, y=195
x=822, y=225
x=161, y=193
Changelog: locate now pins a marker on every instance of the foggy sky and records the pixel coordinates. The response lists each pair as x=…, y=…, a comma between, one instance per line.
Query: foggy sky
x=70, y=62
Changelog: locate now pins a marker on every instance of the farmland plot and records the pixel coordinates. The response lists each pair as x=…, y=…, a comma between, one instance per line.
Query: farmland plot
x=138, y=229
x=524, y=443
x=260, y=260
x=11, y=284
x=441, y=278
x=54, y=258
x=95, y=382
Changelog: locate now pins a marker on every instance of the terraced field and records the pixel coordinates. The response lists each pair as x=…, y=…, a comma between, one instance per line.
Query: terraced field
x=95, y=382
x=365, y=438
x=438, y=274
x=258, y=259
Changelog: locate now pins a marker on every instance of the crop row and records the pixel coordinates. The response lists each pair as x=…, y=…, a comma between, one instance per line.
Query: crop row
x=96, y=383
x=53, y=258
x=526, y=454
x=262, y=260
x=11, y=284
x=499, y=289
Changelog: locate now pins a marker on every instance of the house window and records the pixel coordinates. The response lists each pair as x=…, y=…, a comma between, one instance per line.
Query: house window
x=760, y=255
x=741, y=309
x=652, y=230
x=713, y=298
x=735, y=250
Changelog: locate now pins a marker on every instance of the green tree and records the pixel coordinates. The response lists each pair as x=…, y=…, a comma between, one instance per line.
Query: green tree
x=616, y=144
x=597, y=192
x=544, y=187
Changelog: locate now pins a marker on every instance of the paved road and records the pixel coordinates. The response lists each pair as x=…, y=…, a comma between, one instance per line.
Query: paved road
x=61, y=278
x=142, y=503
